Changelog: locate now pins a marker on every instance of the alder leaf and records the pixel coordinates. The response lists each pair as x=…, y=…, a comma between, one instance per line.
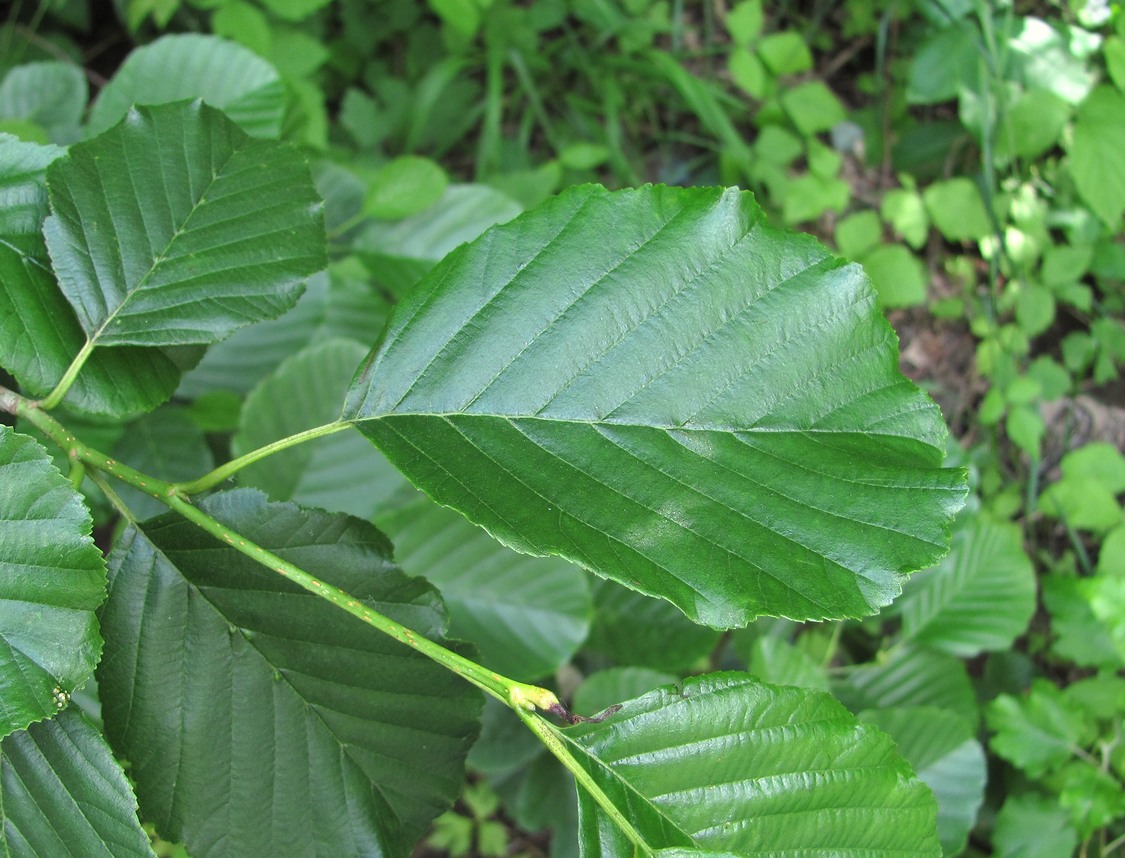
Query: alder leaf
x=660, y=387
x=63, y=794
x=175, y=227
x=744, y=768
x=291, y=727
x=52, y=578
x=39, y=332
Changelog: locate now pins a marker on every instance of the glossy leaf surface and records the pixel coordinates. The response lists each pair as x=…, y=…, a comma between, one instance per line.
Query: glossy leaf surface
x=658, y=386
x=39, y=332
x=292, y=727
x=175, y=227
x=52, y=578
x=747, y=769
x=63, y=794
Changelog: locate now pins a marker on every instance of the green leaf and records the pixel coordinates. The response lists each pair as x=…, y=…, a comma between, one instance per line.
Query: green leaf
x=52, y=95
x=1038, y=732
x=943, y=750
x=744, y=21
x=779, y=662
x=1097, y=154
x=399, y=254
x=63, y=794
x=339, y=473
x=297, y=728
x=784, y=53
x=904, y=210
x=526, y=615
x=941, y=63
x=1033, y=826
x=724, y=758
x=858, y=234
x=897, y=275
x=251, y=354
x=812, y=107
x=634, y=629
x=52, y=578
x=656, y=385
x=910, y=677
x=39, y=332
x=747, y=72
x=174, y=227
x=605, y=688
x=187, y=66
x=979, y=598
x=404, y=187
x=957, y=210
x=1034, y=124
x=1077, y=634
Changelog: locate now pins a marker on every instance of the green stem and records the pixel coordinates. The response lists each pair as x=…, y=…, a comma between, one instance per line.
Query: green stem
x=518, y=695
x=78, y=452
x=52, y=399
x=555, y=743
x=224, y=472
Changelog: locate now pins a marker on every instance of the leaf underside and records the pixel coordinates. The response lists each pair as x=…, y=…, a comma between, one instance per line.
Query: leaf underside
x=660, y=387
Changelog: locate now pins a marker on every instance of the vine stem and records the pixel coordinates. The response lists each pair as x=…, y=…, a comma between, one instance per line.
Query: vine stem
x=53, y=398
x=224, y=472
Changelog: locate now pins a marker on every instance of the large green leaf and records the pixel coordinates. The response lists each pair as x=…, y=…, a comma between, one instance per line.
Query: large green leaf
x=63, y=794
x=291, y=728
x=39, y=332
x=526, y=615
x=175, y=227
x=52, y=578
x=979, y=598
x=745, y=768
x=227, y=76
x=660, y=387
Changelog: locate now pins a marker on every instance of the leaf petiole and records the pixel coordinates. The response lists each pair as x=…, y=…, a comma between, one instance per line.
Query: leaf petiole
x=556, y=744
x=224, y=472
x=52, y=399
